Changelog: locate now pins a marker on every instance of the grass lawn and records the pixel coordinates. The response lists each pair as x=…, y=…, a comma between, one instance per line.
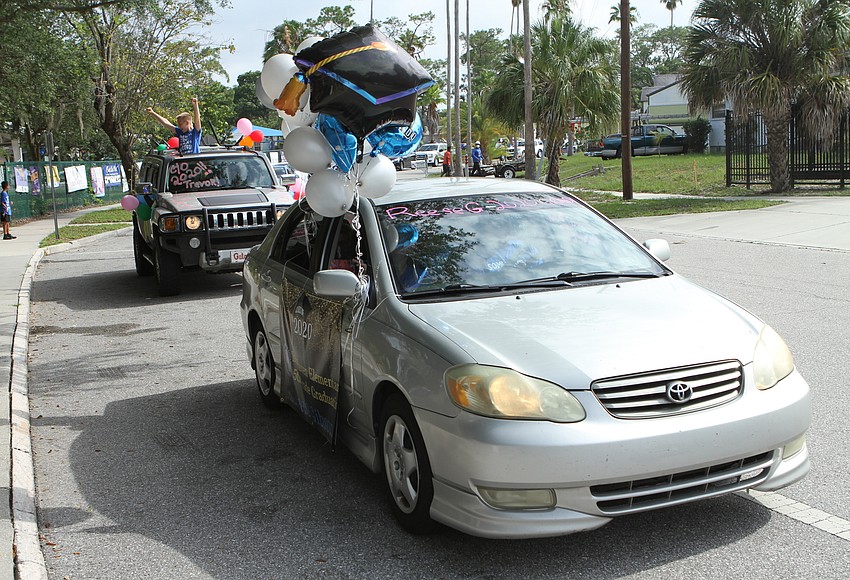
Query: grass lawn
x=95, y=222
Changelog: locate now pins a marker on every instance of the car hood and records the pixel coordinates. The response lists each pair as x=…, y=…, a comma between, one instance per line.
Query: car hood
x=235, y=198
x=580, y=334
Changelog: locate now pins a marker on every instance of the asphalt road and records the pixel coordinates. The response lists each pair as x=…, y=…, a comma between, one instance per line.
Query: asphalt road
x=155, y=458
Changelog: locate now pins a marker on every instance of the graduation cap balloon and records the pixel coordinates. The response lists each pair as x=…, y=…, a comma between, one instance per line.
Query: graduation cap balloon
x=361, y=77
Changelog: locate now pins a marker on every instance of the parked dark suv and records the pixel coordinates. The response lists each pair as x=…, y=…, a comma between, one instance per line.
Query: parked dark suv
x=207, y=210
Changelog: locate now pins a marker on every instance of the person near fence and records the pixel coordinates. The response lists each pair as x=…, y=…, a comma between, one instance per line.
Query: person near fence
x=187, y=130
x=476, y=159
x=6, y=209
x=447, y=162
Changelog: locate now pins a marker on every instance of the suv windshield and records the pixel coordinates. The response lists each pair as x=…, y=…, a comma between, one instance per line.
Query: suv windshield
x=429, y=147
x=501, y=240
x=225, y=172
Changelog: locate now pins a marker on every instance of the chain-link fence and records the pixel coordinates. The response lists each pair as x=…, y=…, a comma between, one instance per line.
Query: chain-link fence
x=33, y=185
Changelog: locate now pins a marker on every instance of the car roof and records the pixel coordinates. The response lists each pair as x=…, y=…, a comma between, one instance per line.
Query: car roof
x=205, y=152
x=446, y=187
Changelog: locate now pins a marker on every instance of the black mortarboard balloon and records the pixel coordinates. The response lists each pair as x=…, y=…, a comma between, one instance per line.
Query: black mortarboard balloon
x=362, y=78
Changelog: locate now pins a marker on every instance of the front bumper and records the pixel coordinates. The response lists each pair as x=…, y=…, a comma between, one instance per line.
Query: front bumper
x=603, y=467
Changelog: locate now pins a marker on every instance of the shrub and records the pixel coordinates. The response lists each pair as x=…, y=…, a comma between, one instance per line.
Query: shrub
x=696, y=134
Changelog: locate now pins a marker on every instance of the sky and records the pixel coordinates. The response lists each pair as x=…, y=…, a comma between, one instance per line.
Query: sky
x=249, y=23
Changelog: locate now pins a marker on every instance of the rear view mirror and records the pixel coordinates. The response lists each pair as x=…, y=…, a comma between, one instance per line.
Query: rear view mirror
x=658, y=248
x=145, y=188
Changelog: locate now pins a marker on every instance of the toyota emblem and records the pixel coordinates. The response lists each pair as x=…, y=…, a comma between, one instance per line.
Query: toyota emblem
x=679, y=392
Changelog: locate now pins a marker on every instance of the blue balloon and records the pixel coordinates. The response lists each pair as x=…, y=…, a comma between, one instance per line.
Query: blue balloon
x=396, y=141
x=342, y=141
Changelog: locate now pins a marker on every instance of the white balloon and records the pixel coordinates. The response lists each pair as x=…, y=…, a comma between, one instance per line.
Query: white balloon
x=276, y=73
x=302, y=118
x=262, y=96
x=308, y=42
x=306, y=149
x=375, y=176
x=327, y=194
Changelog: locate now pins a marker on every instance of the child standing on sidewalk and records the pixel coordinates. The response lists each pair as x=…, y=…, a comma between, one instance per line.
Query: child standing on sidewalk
x=6, y=211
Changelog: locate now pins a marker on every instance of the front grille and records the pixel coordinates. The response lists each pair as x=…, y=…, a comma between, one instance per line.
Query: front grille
x=646, y=494
x=237, y=220
x=644, y=396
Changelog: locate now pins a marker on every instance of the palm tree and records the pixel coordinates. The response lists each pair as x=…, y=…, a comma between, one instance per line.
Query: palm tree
x=671, y=6
x=574, y=74
x=615, y=14
x=767, y=56
x=515, y=4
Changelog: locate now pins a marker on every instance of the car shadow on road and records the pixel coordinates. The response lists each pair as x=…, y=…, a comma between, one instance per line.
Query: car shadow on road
x=125, y=289
x=242, y=491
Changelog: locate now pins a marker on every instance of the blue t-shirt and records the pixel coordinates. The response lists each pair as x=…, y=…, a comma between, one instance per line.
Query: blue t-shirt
x=7, y=205
x=190, y=141
x=476, y=155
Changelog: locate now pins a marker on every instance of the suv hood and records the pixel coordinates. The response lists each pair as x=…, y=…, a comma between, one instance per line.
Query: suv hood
x=577, y=335
x=249, y=197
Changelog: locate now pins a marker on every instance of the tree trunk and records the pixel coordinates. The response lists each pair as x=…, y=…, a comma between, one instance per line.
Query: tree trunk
x=777, y=152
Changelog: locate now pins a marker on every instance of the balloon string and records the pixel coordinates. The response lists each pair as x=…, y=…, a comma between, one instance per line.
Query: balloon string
x=324, y=61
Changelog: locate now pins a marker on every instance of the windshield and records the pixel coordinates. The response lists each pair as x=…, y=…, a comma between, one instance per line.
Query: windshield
x=198, y=174
x=431, y=147
x=498, y=240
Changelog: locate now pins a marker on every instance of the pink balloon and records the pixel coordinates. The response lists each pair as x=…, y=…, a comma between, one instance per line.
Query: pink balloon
x=129, y=202
x=244, y=126
x=256, y=135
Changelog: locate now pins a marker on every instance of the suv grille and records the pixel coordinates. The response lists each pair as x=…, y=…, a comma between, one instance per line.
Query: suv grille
x=645, y=396
x=645, y=494
x=237, y=220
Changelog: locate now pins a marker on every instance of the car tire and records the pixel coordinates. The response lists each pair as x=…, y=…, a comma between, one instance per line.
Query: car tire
x=167, y=267
x=508, y=173
x=143, y=266
x=264, y=368
x=619, y=153
x=539, y=154
x=406, y=466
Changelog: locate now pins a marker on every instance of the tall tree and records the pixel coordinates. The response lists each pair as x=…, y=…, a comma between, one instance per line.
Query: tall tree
x=574, y=74
x=413, y=35
x=671, y=6
x=767, y=56
x=145, y=57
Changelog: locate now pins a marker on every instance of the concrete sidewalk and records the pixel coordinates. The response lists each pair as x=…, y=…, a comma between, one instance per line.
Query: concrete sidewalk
x=20, y=551
x=816, y=222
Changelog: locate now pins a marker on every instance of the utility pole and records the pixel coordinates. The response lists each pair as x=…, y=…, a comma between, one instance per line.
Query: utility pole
x=468, y=95
x=449, y=74
x=626, y=99
x=530, y=153
x=457, y=158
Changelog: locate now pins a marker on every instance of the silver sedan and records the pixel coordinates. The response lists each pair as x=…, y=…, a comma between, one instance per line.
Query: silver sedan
x=514, y=363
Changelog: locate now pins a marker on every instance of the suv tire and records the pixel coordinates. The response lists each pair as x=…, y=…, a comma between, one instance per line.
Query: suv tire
x=143, y=266
x=167, y=267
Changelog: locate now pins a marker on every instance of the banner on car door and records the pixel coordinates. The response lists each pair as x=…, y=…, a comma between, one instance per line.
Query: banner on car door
x=312, y=327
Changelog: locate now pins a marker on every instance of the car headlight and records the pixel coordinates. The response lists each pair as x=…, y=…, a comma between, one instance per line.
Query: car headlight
x=772, y=361
x=506, y=394
x=193, y=222
x=169, y=223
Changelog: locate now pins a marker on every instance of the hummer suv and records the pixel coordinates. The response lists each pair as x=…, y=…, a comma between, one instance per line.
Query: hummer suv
x=204, y=211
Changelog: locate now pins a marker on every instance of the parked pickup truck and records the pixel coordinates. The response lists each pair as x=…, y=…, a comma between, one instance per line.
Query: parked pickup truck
x=646, y=140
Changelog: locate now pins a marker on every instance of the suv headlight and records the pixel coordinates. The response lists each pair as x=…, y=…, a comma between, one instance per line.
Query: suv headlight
x=772, y=361
x=193, y=222
x=169, y=223
x=506, y=394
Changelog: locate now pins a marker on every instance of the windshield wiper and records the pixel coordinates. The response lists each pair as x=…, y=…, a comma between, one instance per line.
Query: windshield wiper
x=454, y=289
x=568, y=277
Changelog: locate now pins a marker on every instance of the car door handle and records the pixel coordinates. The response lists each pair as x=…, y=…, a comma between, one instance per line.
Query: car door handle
x=266, y=277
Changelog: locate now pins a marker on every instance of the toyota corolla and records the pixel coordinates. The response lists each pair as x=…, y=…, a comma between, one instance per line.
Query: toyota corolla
x=515, y=364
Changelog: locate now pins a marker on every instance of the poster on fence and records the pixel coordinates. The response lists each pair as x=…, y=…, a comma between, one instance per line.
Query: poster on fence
x=125, y=185
x=36, y=184
x=112, y=174
x=75, y=177
x=97, y=184
x=21, y=180
x=52, y=176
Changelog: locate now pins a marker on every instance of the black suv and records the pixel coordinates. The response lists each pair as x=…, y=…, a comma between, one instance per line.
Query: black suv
x=207, y=210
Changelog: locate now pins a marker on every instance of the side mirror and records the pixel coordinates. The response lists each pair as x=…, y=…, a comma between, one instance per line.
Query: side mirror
x=658, y=248
x=145, y=188
x=336, y=284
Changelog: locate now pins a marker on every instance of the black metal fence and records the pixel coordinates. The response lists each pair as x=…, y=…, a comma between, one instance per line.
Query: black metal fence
x=810, y=160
